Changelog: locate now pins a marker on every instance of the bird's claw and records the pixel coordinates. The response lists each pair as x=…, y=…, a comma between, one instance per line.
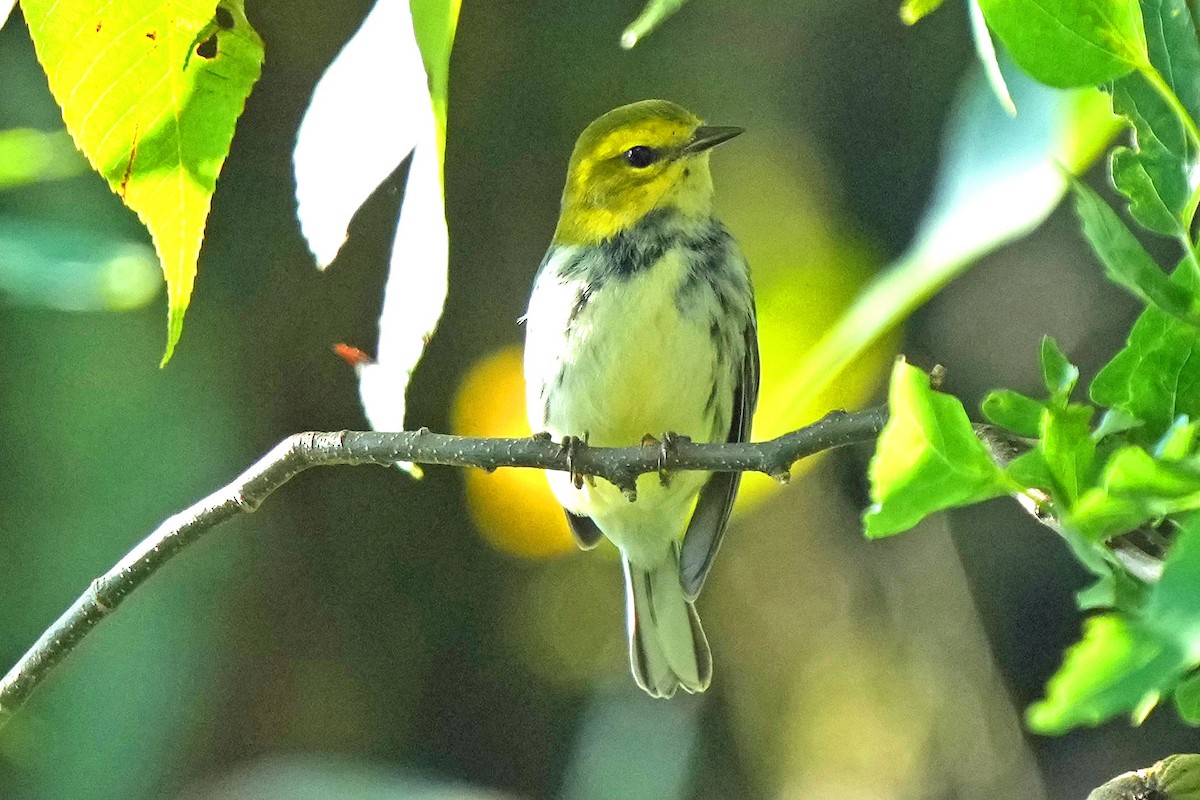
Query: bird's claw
x=570, y=447
x=665, y=444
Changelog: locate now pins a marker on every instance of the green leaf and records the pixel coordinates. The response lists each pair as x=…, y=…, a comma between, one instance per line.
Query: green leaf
x=1030, y=470
x=1155, y=186
x=1115, y=421
x=1134, y=473
x=1014, y=411
x=1067, y=43
x=1174, y=605
x=928, y=457
x=911, y=11
x=1156, y=376
x=150, y=91
x=1069, y=449
x=1178, y=442
x=1114, y=590
x=434, y=24
x=653, y=15
x=1058, y=374
x=1187, y=700
x=1125, y=261
x=1112, y=670
x=1125, y=663
x=1154, y=174
x=1135, y=488
x=1099, y=515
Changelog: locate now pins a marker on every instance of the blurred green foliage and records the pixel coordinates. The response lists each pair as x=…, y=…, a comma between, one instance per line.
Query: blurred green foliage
x=1139, y=471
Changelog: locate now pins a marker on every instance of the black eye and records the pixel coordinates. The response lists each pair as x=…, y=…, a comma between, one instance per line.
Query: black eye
x=640, y=156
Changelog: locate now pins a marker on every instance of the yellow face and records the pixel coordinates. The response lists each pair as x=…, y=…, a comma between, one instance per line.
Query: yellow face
x=632, y=160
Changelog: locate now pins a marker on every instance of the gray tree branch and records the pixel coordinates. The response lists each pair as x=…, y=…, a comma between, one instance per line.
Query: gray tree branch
x=620, y=466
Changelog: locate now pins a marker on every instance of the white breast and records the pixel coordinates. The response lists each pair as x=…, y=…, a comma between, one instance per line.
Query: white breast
x=620, y=361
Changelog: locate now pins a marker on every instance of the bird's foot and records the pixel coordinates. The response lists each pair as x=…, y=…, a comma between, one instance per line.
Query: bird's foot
x=664, y=444
x=570, y=446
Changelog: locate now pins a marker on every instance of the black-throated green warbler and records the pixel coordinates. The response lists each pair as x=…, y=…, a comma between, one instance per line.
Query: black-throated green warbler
x=642, y=322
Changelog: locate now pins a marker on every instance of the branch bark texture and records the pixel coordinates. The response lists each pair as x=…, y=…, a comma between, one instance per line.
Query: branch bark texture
x=620, y=465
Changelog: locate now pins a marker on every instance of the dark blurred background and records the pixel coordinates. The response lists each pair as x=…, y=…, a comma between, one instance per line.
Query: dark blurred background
x=367, y=636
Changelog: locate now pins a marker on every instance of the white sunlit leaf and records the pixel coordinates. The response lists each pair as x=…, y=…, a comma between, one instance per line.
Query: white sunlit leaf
x=985, y=49
x=370, y=110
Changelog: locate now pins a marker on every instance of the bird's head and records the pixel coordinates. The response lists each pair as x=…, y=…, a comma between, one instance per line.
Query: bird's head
x=635, y=159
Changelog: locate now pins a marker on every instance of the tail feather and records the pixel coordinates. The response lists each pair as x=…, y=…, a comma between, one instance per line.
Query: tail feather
x=667, y=646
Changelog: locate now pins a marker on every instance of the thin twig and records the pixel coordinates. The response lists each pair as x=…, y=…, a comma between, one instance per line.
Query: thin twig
x=620, y=466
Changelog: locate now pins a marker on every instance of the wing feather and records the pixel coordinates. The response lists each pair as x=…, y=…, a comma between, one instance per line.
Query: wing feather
x=707, y=526
x=586, y=534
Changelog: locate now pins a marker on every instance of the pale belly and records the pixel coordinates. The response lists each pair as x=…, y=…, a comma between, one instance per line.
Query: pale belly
x=627, y=365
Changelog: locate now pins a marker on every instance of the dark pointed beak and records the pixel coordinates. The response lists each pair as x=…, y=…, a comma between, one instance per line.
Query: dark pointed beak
x=707, y=137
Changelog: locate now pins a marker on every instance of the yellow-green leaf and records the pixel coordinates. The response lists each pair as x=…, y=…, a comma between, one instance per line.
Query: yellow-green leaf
x=150, y=91
x=912, y=11
x=653, y=15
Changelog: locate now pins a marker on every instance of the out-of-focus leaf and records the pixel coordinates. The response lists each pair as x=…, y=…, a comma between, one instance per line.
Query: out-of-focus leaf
x=1069, y=449
x=370, y=110
x=928, y=457
x=1135, y=487
x=1115, y=590
x=1125, y=261
x=1187, y=700
x=1115, y=667
x=28, y=156
x=150, y=92
x=1133, y=472
x=1174, y=604
x=999, y=179
x=912, y=11
x=1154, y=175
x=985, y=49
x=1058, y=374
x=1015, y=411
x=1156, y=376
x=653, y=15
x=1099, y=515
x=1114, y=421
x=73, y=269
x=1066, y=43
x=1178, y=442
